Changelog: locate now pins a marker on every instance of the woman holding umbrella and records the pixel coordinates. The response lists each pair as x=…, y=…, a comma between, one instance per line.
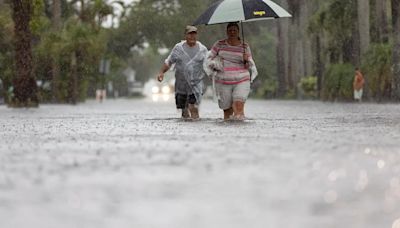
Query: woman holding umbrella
x=233, y=80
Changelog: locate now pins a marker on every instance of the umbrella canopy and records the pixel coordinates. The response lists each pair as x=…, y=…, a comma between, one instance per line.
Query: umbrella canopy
x=224, y=11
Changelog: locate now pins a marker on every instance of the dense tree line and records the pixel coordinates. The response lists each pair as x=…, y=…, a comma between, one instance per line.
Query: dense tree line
x=52, y=49
x=60, y=43
x=345, y=34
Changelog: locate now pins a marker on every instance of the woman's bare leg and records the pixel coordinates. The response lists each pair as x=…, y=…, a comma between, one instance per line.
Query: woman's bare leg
x=238, y=110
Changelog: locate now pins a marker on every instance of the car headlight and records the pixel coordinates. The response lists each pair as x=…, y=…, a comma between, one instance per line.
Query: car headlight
x=155, y=89
x=166, y=90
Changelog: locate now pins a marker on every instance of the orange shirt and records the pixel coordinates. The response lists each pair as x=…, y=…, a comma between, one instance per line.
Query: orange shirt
x=358, y=81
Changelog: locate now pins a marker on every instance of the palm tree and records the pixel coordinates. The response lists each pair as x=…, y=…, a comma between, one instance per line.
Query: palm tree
x=382, y=23
x=282, y=53
x=25, y=88
x=293, y=61
x=396, y=49
x=56, y=24
x=93, y=11
x=316, y=32
x=363, y=25
x=280, y=57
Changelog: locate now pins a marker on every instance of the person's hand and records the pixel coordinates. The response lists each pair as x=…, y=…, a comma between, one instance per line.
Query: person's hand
x=160, y=77
x=246, y=60
x=245, y=57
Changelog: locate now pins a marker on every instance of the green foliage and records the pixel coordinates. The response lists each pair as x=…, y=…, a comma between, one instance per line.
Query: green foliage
x=290, y=94
x=81, y=35
x=160, y=23
x=267, y=89
x=6, y=48
x=75, y=37
x=102, y=8
x=377, y=70
x=335, y=18
x=116, y=76
x=338, y=82
x=89, y=47
x=39, y=22
x=263, y=47
x=147, y=64
x=308, y=86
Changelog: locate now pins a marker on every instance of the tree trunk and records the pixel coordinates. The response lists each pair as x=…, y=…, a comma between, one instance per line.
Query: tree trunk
x=25, y=88
x=396, y=49
x=382, y=20
x=293, y=45
x=316, y=42
x=363, y=25
x=319, y=64
x=296, y=67
x=280, y=52
x=73, y=87
x=307, y=47
x=56, y=23
x=351, y=48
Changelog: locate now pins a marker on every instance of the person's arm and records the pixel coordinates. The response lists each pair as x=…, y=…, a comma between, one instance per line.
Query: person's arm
x=247, y=56
x=214, y=50
x=167, y=64
x=164, y=68
x=355, y=82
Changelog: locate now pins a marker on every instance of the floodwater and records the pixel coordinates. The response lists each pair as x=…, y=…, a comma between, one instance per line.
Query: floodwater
x=135, y=164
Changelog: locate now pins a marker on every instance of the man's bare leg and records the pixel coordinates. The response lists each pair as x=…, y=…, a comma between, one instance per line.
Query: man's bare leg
x=185, y=113
x=194, y=111
x=228, y=113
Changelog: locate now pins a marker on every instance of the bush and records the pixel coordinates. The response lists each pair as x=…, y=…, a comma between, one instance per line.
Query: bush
x=267, y=89
x=308, y=86
x=338, y=82
x=377, y=70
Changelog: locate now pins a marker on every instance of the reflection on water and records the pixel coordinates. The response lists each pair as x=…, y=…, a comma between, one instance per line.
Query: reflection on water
x=161, y=97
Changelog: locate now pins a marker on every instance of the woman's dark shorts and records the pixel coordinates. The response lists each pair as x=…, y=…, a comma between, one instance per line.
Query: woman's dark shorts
x=182, y=100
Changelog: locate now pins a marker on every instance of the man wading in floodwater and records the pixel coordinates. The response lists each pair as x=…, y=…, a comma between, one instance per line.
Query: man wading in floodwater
x=188, y=57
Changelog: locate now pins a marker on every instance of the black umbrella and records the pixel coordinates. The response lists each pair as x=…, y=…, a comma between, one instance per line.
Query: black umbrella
x=224, y=11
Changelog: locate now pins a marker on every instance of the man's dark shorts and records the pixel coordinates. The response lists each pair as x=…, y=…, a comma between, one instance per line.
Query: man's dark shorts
x=182, y=100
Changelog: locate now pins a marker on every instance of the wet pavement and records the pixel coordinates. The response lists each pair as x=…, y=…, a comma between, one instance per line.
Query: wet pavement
x=133, y=163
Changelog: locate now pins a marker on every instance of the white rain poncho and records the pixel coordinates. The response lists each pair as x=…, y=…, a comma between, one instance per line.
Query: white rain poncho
x=189, y=73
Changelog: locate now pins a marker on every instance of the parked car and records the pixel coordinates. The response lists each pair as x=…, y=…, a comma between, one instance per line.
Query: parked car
x=159, y=91
x=135, y=88
x=163, y=88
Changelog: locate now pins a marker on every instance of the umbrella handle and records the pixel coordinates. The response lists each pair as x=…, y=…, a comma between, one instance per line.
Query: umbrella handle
x=244, y=48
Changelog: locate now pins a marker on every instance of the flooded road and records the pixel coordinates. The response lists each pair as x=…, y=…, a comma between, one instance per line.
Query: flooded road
x=134, y=163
